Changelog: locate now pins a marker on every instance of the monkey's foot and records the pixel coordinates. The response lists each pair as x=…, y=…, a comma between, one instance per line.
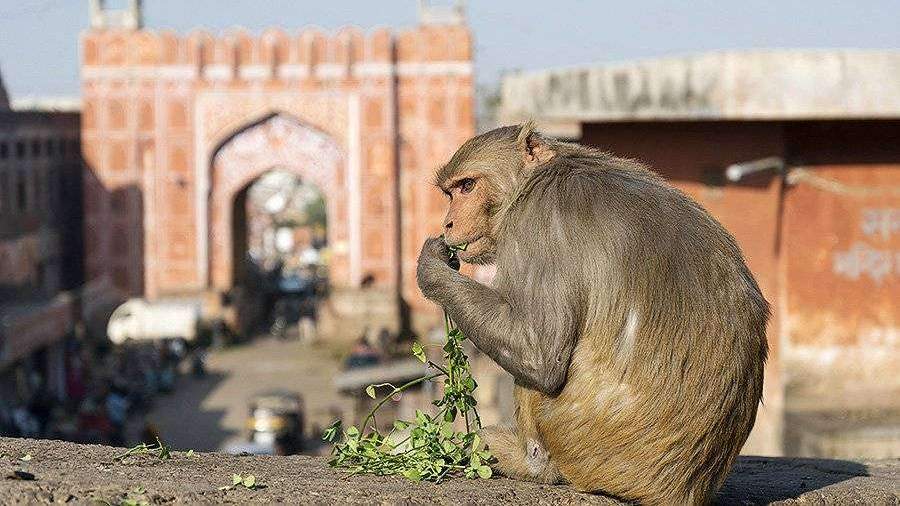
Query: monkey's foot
x=537, y=458
x=533, y=464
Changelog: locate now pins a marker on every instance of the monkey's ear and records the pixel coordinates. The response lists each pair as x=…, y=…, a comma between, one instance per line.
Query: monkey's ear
x=534, y=148
x=525, y=131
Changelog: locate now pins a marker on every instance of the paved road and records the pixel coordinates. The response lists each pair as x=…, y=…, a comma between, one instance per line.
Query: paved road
x=207, y=414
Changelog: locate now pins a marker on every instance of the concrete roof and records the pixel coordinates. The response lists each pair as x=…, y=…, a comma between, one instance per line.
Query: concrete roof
x=740, y=85
x=46, y=104
x=4, y=96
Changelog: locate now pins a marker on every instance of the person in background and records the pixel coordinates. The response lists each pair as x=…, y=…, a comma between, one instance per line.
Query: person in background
x=150, y=434
x=362, y=354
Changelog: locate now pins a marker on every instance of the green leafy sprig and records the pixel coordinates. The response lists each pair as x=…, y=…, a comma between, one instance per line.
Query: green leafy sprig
x=428, y=447
x=160, y=450
x=249, y=482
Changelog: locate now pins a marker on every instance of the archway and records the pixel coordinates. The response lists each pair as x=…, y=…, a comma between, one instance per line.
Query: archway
x=276, y=142
x=280, y=223
x=279, y=253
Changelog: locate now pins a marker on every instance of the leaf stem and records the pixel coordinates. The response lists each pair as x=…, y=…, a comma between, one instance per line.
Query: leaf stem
x=397, y=390
x=439, y=368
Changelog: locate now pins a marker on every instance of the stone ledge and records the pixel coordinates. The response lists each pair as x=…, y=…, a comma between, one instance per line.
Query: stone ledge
x=86, y=474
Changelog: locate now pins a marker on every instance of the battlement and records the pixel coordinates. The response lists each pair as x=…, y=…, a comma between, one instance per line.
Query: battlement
x=158, y=104
x=311, y=52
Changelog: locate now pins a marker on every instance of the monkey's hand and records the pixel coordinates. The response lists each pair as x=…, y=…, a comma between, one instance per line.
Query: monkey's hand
x=433, y=269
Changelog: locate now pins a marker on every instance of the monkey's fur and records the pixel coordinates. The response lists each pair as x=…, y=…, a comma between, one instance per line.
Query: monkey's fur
x=624, y=311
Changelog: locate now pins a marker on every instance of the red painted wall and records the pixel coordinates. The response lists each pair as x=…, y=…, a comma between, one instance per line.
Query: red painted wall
x=825, y=246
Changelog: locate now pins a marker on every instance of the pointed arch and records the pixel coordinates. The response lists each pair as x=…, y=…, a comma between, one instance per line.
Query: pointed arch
x=275, y=141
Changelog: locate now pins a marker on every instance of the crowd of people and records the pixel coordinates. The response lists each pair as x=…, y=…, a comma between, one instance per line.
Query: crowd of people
x=104, y=386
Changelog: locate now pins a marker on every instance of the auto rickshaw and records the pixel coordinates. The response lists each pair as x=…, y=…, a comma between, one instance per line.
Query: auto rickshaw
x=276, y=421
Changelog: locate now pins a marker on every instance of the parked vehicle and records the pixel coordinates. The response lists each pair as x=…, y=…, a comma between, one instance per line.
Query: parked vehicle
x=276, y=422
x=295, y=299
x=138, y=319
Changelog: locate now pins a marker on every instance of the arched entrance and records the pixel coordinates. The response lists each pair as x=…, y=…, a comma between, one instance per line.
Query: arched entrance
x=280, y=222
x=275, y=143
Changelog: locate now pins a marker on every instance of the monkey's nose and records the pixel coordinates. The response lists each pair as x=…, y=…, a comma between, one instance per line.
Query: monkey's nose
x=449, y=225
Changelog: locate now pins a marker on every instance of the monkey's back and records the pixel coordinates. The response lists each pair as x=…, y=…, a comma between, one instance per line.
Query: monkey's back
x=665, y=381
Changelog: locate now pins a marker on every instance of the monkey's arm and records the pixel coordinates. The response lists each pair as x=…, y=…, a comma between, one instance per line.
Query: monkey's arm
x=531, y=339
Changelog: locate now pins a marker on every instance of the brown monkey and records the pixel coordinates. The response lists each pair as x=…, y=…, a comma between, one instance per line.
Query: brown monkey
x=624, y=311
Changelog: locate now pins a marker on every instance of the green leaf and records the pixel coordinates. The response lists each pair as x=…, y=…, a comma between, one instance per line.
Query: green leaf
x=485, y=472
x=448, y=447
x=190, y=453
x=333, y=431
x=419, y=352
x=433, y=451
x=236, y=479
x=249, y=481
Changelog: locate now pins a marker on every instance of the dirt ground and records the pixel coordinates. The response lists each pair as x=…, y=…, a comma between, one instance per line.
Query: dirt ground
x=56, y=472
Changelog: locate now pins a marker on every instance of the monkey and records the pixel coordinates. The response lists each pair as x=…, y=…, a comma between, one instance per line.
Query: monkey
x=634, y=330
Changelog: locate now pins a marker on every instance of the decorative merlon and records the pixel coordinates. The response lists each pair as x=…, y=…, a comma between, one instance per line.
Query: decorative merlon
x=129, y=18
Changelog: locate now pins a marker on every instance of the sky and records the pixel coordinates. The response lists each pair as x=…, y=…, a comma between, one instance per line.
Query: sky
x=39, y=38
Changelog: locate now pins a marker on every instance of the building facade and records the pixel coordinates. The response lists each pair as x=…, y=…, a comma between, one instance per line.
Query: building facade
x=40, y=248
x=176, y=127
x=817, y=213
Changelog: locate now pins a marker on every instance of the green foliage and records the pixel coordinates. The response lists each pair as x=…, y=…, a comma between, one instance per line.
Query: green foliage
x=316, y=212
x=136, y=497
x=428, y=447
x=419, y=352
x=249, y=482
x=159, y=449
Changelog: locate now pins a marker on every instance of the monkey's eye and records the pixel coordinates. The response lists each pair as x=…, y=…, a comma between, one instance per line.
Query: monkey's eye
x=466, y=185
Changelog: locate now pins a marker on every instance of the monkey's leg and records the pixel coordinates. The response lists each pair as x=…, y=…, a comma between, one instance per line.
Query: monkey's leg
x=526, y=404
x=528, y=461
x=536, y=455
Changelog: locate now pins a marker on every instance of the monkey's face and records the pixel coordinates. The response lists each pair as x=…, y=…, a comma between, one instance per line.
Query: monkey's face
x=483, y=175
x=467, y=225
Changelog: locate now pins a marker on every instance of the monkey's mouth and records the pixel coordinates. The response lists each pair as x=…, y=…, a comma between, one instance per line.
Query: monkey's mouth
x=464, y=245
